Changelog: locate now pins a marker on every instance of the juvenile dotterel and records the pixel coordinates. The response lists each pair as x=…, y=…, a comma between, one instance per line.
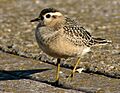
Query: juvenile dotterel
x=62, y=37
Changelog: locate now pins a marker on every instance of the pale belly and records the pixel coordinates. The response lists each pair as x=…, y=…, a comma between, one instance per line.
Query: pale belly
x=60, y=48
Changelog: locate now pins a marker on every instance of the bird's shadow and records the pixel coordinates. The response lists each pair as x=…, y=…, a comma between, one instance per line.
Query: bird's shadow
x=25, y=74
x=20, y=74
x=28, y=74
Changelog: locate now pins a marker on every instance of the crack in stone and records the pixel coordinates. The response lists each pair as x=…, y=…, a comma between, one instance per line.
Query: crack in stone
x=13, y=75
x=43, y=58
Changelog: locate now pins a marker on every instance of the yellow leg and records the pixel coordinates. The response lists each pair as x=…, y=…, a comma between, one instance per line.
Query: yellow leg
x=58, y=70
x=74, y=69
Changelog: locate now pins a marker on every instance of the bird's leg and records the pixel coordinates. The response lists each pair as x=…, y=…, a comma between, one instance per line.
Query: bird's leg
x=70, y=77
x=58, y=70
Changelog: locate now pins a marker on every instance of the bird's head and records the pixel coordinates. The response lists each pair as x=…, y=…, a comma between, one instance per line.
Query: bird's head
x=49, y=17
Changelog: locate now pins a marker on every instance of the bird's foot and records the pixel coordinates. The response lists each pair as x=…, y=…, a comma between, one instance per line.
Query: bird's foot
x=55, y=83
x=70, y=77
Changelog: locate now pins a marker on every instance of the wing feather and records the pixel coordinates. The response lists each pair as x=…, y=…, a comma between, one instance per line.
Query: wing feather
x=78, y=35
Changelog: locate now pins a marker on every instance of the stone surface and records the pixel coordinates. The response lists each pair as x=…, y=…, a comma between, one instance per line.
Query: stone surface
x=18, y=74
x=18, y=47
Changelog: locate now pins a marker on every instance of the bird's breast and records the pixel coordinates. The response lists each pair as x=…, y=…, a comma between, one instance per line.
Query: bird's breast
x=56, y=44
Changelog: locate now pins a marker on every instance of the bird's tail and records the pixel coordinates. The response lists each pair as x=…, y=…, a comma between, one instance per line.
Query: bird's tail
x=100, y=41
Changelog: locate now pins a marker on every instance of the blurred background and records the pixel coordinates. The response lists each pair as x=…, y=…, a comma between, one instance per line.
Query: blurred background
x=101, y=17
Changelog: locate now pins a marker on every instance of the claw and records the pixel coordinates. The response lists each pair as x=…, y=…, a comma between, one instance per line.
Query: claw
x=55, y=83
x=70, y=77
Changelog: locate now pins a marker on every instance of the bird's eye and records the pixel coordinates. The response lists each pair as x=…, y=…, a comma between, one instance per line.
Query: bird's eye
x=48, y=16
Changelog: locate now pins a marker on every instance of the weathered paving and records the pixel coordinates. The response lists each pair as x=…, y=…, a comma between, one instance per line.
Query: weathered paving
x=25, y=68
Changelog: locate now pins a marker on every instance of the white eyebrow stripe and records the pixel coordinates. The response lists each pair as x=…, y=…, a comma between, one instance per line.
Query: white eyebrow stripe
x=55, y=13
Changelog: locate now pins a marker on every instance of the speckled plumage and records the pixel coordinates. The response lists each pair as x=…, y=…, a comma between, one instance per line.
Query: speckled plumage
x=62, y=37
x=52, y=40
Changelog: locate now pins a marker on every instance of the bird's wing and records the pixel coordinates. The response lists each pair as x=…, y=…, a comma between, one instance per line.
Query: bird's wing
x=77, y=34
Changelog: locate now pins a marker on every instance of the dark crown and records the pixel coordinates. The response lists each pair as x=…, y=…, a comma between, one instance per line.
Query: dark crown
x=48, y=10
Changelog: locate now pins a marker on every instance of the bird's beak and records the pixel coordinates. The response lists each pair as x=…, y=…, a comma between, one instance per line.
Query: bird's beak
x=34, y=20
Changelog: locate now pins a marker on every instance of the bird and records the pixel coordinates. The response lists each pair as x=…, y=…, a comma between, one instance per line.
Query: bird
x=62, y=37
